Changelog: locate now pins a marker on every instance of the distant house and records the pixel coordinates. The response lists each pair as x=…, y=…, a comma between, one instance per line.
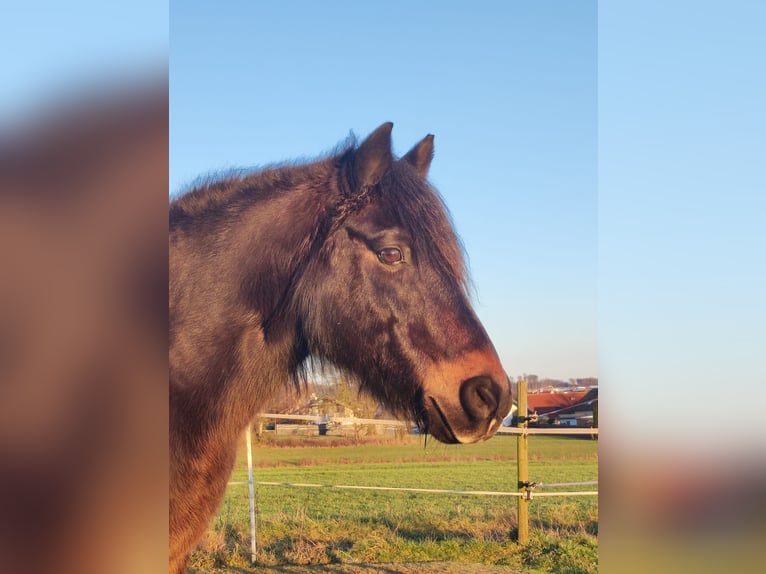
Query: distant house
x=542, y=403
x=327, y=407
x=578, y=413
x=560, y=408
x=316, y=406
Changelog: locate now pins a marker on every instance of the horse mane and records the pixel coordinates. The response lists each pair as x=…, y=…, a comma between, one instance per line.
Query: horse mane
x=219, y=191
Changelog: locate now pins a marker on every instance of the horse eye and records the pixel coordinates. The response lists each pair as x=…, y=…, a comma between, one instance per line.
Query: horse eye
x=390, y=255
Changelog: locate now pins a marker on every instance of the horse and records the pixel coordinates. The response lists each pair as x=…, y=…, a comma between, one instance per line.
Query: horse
x=350, y=260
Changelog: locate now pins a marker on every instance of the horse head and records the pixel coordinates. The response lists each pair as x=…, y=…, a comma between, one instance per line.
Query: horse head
x=386, y=298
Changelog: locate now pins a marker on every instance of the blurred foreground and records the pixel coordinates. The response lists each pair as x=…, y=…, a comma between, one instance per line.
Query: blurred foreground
x=83, y=338
x=674, y=509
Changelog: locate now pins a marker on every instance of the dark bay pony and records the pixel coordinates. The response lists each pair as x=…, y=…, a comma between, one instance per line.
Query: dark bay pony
x=351, y=260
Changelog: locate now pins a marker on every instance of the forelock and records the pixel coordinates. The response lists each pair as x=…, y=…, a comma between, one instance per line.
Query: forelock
x=425, y=216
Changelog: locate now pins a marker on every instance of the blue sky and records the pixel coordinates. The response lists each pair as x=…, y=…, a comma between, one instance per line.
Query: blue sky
x=682, y=206
x=508, y=89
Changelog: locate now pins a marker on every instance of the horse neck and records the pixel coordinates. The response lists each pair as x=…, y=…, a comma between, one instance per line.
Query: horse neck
x=244, y=324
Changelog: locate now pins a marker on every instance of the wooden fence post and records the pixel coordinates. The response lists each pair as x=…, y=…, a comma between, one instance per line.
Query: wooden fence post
x=251, y=494
x=595, y=415
x=522, y=464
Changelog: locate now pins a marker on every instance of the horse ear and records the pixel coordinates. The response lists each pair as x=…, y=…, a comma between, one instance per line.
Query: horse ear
x=373, y=158
x=421, y=155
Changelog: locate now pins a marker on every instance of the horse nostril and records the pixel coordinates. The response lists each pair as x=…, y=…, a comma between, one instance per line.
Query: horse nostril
x=478, y=395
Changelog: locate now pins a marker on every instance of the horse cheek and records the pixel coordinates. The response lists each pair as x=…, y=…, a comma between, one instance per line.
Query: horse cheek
x=328, y=307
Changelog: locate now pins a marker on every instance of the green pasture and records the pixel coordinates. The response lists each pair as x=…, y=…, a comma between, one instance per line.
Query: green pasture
x=311, y=526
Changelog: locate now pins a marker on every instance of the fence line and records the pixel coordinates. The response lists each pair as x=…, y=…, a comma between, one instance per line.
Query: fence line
x=522, y=431
x=560, y=484
x=424, y=490
x=397, y=423
x=384, y=488
x=334, y=419
x=568, y=493
x=529, y=431
x=408, y=489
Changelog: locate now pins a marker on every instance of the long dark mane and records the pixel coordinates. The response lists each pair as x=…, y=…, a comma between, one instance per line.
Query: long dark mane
x=224, y=190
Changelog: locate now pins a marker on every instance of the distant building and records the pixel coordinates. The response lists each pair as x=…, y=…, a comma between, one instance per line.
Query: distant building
x=567, y=409
x=546, y=402
x=327, y=407
x=587, y=382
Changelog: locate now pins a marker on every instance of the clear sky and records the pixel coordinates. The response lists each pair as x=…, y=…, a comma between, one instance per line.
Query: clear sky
x=682, y=221
x=508, y=89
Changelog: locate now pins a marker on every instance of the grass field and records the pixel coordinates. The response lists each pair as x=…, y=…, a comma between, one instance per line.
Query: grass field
x=324, y=529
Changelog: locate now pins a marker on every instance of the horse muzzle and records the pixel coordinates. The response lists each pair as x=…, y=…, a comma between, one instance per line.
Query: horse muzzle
x=471, y=414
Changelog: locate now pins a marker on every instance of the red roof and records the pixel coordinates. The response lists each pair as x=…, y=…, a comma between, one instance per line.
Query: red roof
x=546, y=402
